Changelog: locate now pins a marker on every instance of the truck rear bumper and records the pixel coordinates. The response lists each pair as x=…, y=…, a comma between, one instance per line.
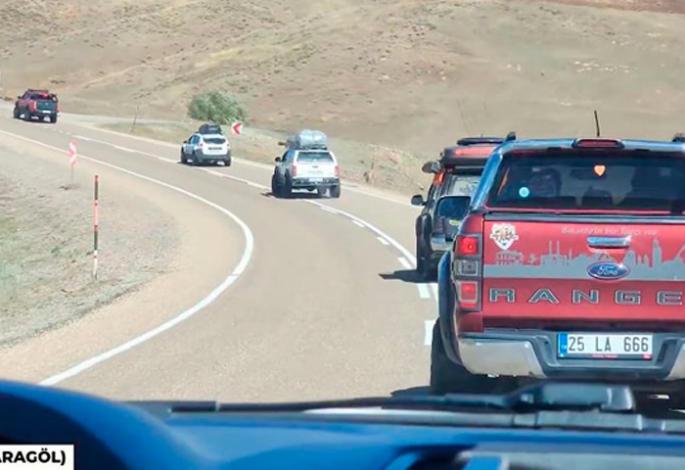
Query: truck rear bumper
x=302, y=183
x=440, y=244
x=532, y=354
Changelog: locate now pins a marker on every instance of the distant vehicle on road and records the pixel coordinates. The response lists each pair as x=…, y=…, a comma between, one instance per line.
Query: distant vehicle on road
x=38, y=104
x=457, y=173
x=201, y=149
x=306, y=164
x=569, y=265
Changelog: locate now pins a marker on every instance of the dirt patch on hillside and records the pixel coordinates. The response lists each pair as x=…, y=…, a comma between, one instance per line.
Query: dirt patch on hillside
x=46, y=242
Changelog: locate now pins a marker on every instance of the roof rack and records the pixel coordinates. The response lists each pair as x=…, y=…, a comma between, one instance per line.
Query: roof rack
x=679, y=138
x=466, y=141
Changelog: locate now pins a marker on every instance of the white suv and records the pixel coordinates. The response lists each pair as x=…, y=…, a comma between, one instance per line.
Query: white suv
x=206, y=148
x=311, y=169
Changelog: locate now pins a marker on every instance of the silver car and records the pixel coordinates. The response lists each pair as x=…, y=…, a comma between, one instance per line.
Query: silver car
x=202, y=149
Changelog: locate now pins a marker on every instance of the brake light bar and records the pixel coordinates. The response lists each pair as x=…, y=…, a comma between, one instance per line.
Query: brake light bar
x=473, y=151
x=598, y=144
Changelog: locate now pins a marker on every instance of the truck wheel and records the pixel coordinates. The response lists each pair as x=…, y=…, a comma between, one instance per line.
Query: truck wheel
x=288, y=188
x=227, y=162
x=184, y=160
x=53, y=119
x=275, y=187
x=16, y=113
x=448, y=377
x=334, y=191
x=425, y=269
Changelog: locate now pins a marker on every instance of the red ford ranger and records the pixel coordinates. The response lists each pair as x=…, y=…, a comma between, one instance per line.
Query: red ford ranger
x=570, y=264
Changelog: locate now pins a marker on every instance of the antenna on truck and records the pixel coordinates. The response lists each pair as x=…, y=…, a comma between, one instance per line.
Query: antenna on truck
x=599, y=132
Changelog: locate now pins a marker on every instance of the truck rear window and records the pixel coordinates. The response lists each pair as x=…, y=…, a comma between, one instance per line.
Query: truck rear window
x=591, y=181
x=314, y=157
x=215, y=140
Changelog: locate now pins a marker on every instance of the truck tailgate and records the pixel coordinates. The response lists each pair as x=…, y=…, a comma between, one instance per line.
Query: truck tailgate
x=559, y=268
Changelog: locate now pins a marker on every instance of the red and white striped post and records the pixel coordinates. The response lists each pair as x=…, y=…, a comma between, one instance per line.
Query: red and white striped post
x=96, y=204
x=72, y=159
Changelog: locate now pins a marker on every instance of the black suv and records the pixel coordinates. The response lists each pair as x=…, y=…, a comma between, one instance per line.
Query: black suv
x=456, y=173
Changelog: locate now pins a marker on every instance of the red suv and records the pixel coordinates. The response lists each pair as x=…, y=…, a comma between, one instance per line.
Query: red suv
x=569, y=265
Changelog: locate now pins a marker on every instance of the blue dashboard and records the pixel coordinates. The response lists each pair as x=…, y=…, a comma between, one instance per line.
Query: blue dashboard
x=149, y=435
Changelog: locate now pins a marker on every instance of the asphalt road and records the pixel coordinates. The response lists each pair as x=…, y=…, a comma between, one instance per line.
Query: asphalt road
x=322, y=303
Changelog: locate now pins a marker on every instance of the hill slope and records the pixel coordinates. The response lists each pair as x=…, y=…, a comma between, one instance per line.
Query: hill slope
x=414, y=74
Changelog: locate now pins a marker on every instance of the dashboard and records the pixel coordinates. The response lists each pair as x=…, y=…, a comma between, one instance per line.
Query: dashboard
x=198, y=435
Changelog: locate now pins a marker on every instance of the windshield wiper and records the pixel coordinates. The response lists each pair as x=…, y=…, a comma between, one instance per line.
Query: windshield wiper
x=539, y=397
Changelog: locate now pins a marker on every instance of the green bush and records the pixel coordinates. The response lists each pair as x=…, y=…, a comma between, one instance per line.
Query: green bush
x=216, y=106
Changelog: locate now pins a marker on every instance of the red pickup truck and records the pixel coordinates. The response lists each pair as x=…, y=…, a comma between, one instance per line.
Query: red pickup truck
x=570, y=264
x=39, y=104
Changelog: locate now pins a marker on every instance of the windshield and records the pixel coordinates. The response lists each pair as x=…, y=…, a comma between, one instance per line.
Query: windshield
x=591, y=181
x=314, y=157
x=302, y=253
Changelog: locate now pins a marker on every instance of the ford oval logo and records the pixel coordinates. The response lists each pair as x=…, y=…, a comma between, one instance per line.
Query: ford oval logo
x=608, y=271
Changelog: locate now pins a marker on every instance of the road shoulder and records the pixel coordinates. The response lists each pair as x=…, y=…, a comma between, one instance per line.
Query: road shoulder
x=196, y=249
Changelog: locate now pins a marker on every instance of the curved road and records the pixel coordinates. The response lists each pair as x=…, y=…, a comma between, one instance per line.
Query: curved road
x=324, y=308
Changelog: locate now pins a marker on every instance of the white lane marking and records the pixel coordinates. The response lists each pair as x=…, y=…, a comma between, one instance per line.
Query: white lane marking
x=118, y=147
x=434, y=288
x=428, y=332
x=374, y=229
x=206, y=301
x=424, y=293
x=328, y=209
x=358, y=224
x=423, y=290
x=383, y=241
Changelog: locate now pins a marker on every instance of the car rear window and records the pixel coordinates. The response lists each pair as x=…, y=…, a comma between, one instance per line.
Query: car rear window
x=314, y=157
x=591, y=181
x=214, y=140
x=460, y=185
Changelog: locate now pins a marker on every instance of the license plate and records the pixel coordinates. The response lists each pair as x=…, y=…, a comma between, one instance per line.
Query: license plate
x=605, y=346
x=46, y=111
x=316, y=180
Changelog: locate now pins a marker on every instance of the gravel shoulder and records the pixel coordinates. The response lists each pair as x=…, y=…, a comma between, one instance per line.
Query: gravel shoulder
x=46, y=242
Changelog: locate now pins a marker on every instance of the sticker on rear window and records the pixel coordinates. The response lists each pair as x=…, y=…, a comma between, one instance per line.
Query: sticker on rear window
x=524, y=192
x=504, y=235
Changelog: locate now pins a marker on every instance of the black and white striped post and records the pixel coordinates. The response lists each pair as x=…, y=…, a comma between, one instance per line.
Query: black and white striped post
x=96, y=203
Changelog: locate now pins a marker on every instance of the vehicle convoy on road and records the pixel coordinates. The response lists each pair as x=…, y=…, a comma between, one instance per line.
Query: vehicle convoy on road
x=307, y=164
x=37, y=104
x=545, y=427
x=457, y=173
x=207, y=146
x=569, y=264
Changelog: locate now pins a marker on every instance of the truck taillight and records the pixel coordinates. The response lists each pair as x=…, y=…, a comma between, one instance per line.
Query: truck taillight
x=337, y=171
x=466, y=245
x=467, y=264
x=294, y=171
